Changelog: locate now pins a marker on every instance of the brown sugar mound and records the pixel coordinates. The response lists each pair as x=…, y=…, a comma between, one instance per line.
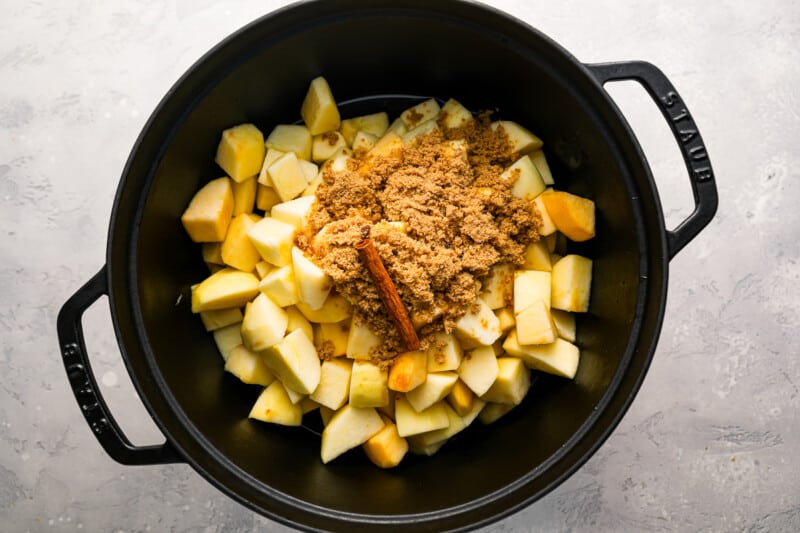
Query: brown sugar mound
x=440, y=216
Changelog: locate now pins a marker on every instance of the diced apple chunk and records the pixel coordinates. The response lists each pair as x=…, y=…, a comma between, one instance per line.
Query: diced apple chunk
x=397, y=127
x=263, y=268
x=505, y=317
x=325, y=145
x=540, y=161
x=294, y=212
x=348, y=428
x=227, y=338
x=313, y=284
x=565, y=324
x=273, y=239
x=436, y=387
x=298, y=321
x=241, y=151
x=422, y=112
x=287, y=177
x=368, y=385
x=334, y=383
x=572, y=215
x=291, y=138
x=244, y=195
x=218, y=319
x=572, y=283
x=531, y=286
x=237, y=249
x=409, y=371
x=386, y=448
x=422, y=129
x=364, y=141
x=521, y=140
x=263, y=175
x=559, y=357
x=455, y=425
x=280, y=286
x=527, y=183
x=454, y=115
x=537, y=257
x=498, y=287
x=248, y=366
x=375, y=124
x=264, y=323
x=535, y=325
x=547, y=226
x=295, y=362
x=479, y=325
x=461, y=398
x=319, y=110
x=493, y=411
x=479, y=369
x=294, y=396
x=410, y=422
x=212, y=253
x=361, y=341
x=273, y=405
x=266, y=197
x=209, y=213
x=223, y=289
x=512, y=383
x=334, y=309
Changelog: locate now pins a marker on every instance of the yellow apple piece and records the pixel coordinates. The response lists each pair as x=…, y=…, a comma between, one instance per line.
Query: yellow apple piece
x=331, y=338
x=497, y=289
x=264, y=324
x=409, y=371
x=248, y=366
x=266, y=197
x=422, y=112
x=294, y=212
x=325, y=145
x=531, y=286
x=308, y=405
x=291, y=138
x=476, y=409
x=505, y=317
x=334, y=309
x=319, y=110
x=274, y=406
x=287, y=177
x=295, y=362
x=559, y=357
x=397, y=127
x=241, y=151
x=572, y=283
x=535, y=325
x=298, y=321
x=512, y=383
x=565, y=324
x=429, y=450
x=520, y=140
x=313, y=284
x=454, y=115
x=527, y=183
x=334, y=383
x=310, y=171
x=311, y=188
x=223, y=289
x=280, y=286
x=375, y=124
x=410, y=422
x=444, y=353
x=455, y=425
x=386, y=448
x=271, y=156
x=493, y=411
x=212, y=253
x=237, y=249
x=273, y=239
x=348, y=428
x=244, y=195
x=572, y=215
x=547, y=227
x=227, y=338
x=361, y=341
x=209, y=213
x=368, y=385
x=479, y=324
x=436, y=387
x=294, y=396
x=461, y=398
x=422, y=129
x=263, y=268
x=364, y=141
x=386, y=146
x=326, y=414
x=537, y=257
x=540, y=161
x=479, y=369
x=220, y=318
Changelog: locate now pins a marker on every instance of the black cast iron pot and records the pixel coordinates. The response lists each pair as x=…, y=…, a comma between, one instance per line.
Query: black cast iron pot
x=382, y=50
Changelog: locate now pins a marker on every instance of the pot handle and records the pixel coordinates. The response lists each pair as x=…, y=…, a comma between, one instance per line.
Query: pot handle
x=686, y=134
x=84, y=385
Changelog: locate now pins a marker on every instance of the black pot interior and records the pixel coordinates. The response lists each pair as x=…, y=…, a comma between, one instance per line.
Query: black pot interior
x=486, y=61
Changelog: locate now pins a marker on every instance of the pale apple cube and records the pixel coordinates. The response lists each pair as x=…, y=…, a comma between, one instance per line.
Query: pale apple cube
x=479, y=324
x=364, y=141
x=248, y=366
x=454, y=115
x=512, y=383
x=212, y=253
x=505, y=318
x=474, y=412
x=291, y=138
x=527, y=183
x=237, y=249
x=411, y=422
x=460, y=398
x=220, y=318
x=435, y=388
x=227, y=338
x=497, y=289
x=271, y=156
x=422, y=129
x=361, y=341
x=422, y=112
x=348, y=428
x=224, y=289
x=565, y=324
x=334, y=309
x=455, y=425
x=266, y=197
x=313, y=284
x=386, y=146
x=280, y=286
x=397, y=127
x=207, y=217
x=241, y=151
x=530, y=286
x=273, y=405
x=493, y=411
x=273, y=239
x=287, y=177
x=334, y=383
x=521, y=140
x=375, y=124
x=319, y=110
x=310, y=171
x=444, y=353
x=298, y=321
x=386, y=448
x=313, y=185
x=331, y=338
x=294, y=396
x=244, y=195
x=325, y=145
x=540, y=161
x=263, y=268
x=295, y=362
x=537, y=257
x=547, y=226
x=368, y=385
x=340, y=160
x=559, y=357
x=572, y=283
x=535, y=325
x=479, y=369
x=409, y=371
x=295, y=212
x=264, y=323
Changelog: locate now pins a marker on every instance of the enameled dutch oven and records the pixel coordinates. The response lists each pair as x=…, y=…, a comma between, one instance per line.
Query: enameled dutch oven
x=375, y=53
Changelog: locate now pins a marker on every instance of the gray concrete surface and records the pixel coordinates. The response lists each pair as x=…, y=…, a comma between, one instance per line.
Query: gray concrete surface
x=711, y=442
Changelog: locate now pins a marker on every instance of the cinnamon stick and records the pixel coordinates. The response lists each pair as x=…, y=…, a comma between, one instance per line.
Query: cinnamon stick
x=387, y=291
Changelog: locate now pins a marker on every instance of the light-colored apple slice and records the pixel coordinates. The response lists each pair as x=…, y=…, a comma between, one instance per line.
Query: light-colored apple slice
x=237, y=249
x=422, y=112
x=572, y=215
x=505, y=317
x=313, y=284
x=521, y=140
x=223, y=317
x=497, y=289
x=386, y=448
x=479, y=324
x=325, y=145
x=422, y=129
x=223, y=289
x=364, y=141
x=207, y=217
x=535, y=325
x=294, y=212
x=273, y=405
x=291, y=138
x=263, y=175
x=530, y=286
x=361, y=340
x=527, y=183
x=331, y=338
x=455, y=425
x=375, y=124
x=493, y=411
x=368, y=385
x=212, y=253
x=294, y=396
x=273, y=239
x=319, y=110
x=298, y=321
x=244, y=195
x=540, y=161
x=227, y=338
x=512, y=383
x=263, y=268
x=241, y=151
x=397, y=127
x=537, y=257
x=479, y=369
x=436, y=387
x=280, y=286
x=248, y=366
x=264, y=323
x=348, y=427
x=454, y=115
x=409, y=371
x=547, y=226
x=410, y=422
x=565, y=324
x=334, y=383
x=295, y=362
x=310, y=171
x=287, y=177
x=474, y=412
x=559, y=357
x=334, y=309
x=461, y=398
x=444, y=353
x=266, y=197
x=572, y=283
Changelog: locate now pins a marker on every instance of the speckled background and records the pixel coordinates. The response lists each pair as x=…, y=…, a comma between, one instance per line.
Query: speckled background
x=712, y=440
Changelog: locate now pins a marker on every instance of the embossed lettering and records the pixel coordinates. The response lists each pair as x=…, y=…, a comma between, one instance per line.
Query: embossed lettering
x=682, y=115
x=698, y=153
x=70, y=350
x=687, y=135
x=702, y=174
x=671, y=99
